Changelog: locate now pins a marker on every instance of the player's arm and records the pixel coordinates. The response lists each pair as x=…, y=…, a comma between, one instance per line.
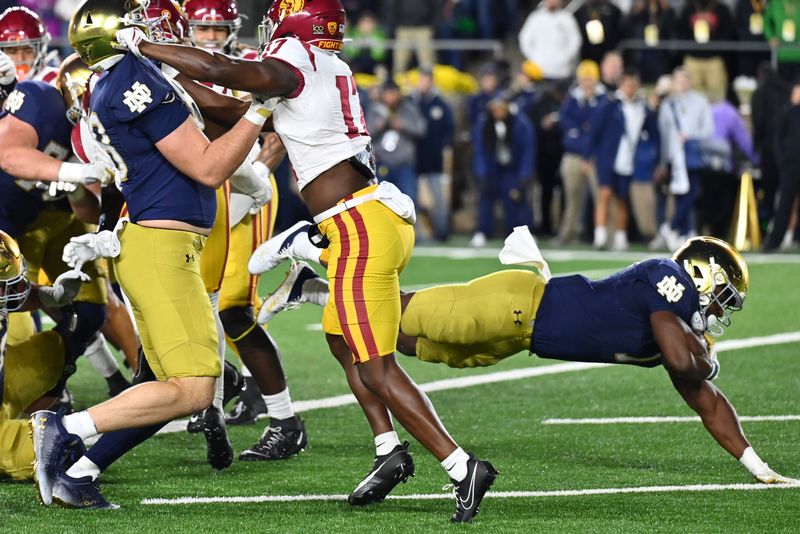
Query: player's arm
x=85, y=203
x=269, y=77
x=206, y=162
x=221, y=109
x=20, y=158
x=679, y=357
x=720, y=419
x=63, y=291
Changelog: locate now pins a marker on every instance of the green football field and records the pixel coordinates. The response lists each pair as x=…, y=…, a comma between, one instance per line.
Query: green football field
x=664, y=475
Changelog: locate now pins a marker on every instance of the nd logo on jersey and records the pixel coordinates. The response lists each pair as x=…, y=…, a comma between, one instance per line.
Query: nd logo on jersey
x=14, y=101
x=670, y=289
x=137, y=97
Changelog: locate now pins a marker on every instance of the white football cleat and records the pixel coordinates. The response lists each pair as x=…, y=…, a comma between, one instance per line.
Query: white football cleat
x=301, y=285
x=291, y=243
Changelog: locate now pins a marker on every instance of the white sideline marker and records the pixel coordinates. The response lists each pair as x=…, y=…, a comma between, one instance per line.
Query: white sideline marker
x=661, y=419
x=490, y=495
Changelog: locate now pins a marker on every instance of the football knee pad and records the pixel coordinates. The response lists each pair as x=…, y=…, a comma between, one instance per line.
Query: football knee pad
x=238, y=321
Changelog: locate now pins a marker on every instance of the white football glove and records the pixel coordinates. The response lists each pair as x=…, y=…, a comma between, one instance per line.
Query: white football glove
x=89, y=247
x=129, y=39
x=8, y=71
x=64, y=289
x=260, y=109
x=85, y=173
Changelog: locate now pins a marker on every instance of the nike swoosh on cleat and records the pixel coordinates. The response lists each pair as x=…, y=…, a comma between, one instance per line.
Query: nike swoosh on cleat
x=471, y=494
x=374, y=472
x=300, y=438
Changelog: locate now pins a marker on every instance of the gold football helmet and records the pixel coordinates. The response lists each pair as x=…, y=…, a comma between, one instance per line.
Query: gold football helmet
x=14, y=285
x=94, y=25
x=720, y=275
x=72, y=81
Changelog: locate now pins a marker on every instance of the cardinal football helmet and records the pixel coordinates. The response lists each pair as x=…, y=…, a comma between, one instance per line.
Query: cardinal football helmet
x=720, y=275
x=94, y=25
x=168, y=22
x=14, y=285
x=218, y=14
x=320, y=23
x=21, y=27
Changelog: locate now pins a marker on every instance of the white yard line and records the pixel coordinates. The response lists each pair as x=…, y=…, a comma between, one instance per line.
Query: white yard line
x=661, y=419
x=490, y=495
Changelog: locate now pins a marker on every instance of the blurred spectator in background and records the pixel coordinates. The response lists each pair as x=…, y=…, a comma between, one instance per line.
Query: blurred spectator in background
x=781, y=229
x=413, y=24
x=721, y=179
x=355, y=8
x=611, y=71
x=624, y=140
x=551, y=38
x=456, y=22
x=750, y=28
x=659, y=182
x=600, y=23
x=768, y=103
x=707, y=21
x=396, y=125
x=652, y=21
x=781, y=24
x=684, y=118
x=435, y=150
x=46, y=11
x=496, y=19
x=489, y=77
x=579, y=113
x=366, y=59
x=540, y=101
x=505, y=153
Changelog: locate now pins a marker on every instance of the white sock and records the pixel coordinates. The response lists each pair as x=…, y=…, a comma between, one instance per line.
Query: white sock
x=219, y=383
x=456, y=464
x=600, y=236
x=279, y=406
x=84, y=467
x=315, y=291
x=386, y=442
x=101, y=358
x=80, y=424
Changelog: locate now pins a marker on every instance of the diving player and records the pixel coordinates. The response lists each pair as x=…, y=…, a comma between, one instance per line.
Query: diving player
x=319, y=118
x=32, y=368
x=659, y=308
x=169, y=172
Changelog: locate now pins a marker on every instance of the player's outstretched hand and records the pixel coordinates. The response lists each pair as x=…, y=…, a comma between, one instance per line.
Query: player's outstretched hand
x=260, y=109
x=768, y=476
x=129, y=39
x=8, y=71
x=64, y=289
x=264, y=195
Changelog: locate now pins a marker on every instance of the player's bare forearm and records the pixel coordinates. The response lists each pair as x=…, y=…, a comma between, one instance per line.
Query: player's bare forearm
x=718, y=415
x=221, y=109
x=26, y=163
x=85, y=203
x=266, y=78
x=681, y=353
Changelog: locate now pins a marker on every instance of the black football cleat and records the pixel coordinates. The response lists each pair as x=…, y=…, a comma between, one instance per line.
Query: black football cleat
x=387, y=472
x=82, y=493
x=219, y=450
x=195, y=424
x=282, y=439
x=470, y=491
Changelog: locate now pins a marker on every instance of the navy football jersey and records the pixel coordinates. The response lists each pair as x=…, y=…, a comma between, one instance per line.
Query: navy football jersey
x=40, y=105
x=133, y=108
x=608, y=320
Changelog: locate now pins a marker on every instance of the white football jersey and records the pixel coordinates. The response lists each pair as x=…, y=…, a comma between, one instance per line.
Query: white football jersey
x=322, y=123
x=47, y=75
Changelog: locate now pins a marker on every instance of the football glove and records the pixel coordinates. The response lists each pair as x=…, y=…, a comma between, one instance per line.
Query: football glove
x=85, y=173
x=89, y=247
x=129, y=39
x=64, y=289
x=8, y=71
